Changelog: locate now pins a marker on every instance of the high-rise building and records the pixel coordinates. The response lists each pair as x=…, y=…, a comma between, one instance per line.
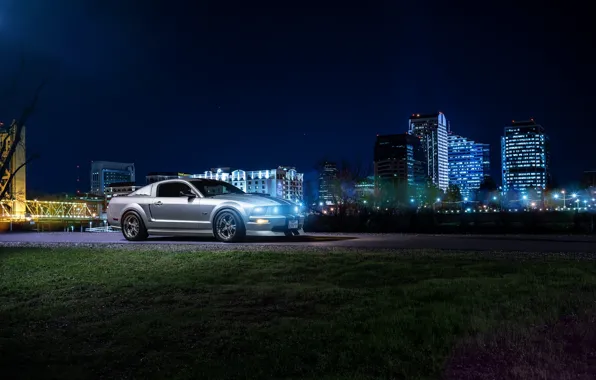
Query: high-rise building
x=400, y=157
x=432, y=130
x=469, y=164
x=327, y=182
x=525, y=156
x=104, y=173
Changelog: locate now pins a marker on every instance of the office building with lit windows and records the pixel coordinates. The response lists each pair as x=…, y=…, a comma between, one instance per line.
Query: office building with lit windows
x=400, y=157
x=104, y=173
x=432, y=130
x=525, y=157
x=282, y=182
x=469, y=164
x=327, y=182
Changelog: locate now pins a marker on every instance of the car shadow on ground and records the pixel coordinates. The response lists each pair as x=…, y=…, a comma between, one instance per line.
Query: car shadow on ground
x=255, y=239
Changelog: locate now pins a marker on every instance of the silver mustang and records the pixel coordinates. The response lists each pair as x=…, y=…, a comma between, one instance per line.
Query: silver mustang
x=202, y=207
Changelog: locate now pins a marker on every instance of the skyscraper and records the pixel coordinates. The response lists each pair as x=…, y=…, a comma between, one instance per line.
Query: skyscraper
x=525, y=156
x=469, y=164
x=432, y=131
x=327, y=180
x=401, y=158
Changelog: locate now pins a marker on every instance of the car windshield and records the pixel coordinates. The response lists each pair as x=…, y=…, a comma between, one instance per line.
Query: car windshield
x=211, y=188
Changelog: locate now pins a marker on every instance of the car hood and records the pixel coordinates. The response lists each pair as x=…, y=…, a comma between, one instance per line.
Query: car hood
x=254, y=200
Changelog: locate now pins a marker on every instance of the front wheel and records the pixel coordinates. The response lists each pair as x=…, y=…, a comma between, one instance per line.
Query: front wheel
x=229, y=227
x=133, y=227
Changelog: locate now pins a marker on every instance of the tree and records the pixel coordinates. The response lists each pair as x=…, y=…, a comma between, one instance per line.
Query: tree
x=453, y=194
x=392, y=192
x=487, y=191
x=431, y=193
x=488, y=184
x=341, y=186
x=10, y=142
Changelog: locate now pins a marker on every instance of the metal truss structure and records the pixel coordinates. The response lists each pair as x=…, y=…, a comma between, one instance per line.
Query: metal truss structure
x=47, y=210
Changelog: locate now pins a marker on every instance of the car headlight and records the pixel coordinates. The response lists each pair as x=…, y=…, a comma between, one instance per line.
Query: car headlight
x=259, y=211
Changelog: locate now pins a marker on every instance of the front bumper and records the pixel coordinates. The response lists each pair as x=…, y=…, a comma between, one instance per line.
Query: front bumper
x=276, y=225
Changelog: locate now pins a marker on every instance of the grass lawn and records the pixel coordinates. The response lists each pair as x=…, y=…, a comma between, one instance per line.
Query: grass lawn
x=82, y=313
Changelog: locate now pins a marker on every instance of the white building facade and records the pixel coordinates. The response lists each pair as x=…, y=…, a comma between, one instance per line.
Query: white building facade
x=282, y=182
x=433, y=130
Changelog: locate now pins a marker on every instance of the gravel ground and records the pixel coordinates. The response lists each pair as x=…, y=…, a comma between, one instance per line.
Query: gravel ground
x=289, y=249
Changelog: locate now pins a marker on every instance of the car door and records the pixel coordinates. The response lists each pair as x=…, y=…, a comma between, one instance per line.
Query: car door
x=173, y=211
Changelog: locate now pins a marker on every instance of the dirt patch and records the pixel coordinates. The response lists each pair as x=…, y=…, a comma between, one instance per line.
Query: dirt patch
x=565, y=350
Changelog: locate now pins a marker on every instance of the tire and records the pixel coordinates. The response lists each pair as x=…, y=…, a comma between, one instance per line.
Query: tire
x=228, y=227
x=133, y=227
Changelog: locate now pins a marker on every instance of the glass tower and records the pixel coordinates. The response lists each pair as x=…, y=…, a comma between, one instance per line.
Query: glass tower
x=469, y=164
x=525, y=157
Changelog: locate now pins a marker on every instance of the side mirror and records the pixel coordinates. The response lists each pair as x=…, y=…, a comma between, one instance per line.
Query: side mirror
x=188, y=194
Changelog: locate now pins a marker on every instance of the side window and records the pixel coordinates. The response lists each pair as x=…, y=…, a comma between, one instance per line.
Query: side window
x=172, y=189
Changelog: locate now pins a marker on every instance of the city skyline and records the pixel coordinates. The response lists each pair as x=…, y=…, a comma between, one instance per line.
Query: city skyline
x=456, y=145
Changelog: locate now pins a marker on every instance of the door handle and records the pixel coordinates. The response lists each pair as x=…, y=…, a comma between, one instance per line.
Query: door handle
x=158, y=203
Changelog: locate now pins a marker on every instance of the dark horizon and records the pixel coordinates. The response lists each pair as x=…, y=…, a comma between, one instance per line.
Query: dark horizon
x=192, y=87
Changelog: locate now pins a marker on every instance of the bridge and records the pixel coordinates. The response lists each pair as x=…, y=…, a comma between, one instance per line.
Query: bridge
x=15, y=207
x=51, y=211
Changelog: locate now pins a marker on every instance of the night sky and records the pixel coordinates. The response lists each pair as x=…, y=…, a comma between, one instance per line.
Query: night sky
x=189, y=85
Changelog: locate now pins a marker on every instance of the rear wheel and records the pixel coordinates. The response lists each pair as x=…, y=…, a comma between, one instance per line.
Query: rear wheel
x=228, y=227
x=133, y=227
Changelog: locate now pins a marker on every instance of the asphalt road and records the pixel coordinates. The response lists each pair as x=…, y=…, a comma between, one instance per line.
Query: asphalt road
x=523, y=243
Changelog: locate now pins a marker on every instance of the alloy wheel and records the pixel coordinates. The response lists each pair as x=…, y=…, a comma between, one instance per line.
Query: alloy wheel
x=131, y=226
x=226, y=226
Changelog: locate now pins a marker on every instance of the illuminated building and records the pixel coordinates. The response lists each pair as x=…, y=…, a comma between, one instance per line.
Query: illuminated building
x=104, y=173
x=17, y=187
x=432, y=131
x=401, y=158
x=119, y=189
x=327, y=182
x=365, y=188
x=525, y=157
x=283, y=182
x=469, y=164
